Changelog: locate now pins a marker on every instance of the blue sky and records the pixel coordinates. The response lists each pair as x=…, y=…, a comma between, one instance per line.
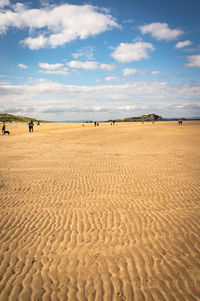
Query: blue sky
x=98, y=59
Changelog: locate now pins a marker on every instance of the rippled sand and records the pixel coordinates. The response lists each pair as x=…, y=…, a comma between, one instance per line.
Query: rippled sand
x=105, y=213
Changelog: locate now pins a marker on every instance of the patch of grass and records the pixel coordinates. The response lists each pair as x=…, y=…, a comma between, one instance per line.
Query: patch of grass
x=4, y=117
x=148, y=117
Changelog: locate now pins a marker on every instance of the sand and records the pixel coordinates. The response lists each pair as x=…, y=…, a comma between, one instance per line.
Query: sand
x=105, y=213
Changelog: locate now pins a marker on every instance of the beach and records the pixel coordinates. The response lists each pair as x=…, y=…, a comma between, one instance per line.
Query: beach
x=100, y=213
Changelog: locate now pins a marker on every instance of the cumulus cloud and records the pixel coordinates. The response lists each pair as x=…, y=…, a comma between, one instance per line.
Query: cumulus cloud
x=183, y=44
x=22, y=66
x=132, y=71
x=161, y=31
x=56, y=25
x=129, y=71
x=126, y=53
x=49, y=66
x=90, y=65
x=130, y=99
x=107, y=67
x=194, y=61
x=53, y=68
x=85, y=52
x=35, y=43
x=4, y=3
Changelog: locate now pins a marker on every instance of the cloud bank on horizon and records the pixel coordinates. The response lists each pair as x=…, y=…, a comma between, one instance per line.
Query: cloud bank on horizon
x=64, y=61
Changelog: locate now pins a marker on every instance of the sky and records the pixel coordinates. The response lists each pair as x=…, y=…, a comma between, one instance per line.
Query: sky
x=100, y=60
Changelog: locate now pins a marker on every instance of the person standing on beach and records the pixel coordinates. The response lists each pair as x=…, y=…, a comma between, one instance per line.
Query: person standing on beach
x=3, y=128
x=30, y=125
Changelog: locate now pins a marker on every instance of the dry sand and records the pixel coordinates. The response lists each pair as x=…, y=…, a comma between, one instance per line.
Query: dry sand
x=105, y=213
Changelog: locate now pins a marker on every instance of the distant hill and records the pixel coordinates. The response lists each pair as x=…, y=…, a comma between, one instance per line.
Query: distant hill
x=147, y=117
x=4, y=117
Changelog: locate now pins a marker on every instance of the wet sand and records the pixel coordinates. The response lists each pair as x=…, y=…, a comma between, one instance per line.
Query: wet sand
x=105, y=213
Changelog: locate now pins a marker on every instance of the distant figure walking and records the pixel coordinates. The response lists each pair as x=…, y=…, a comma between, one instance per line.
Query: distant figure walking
x=3, y=128
x=38, y=123
x=30, y=125
x=113, y=122
x=180, y=122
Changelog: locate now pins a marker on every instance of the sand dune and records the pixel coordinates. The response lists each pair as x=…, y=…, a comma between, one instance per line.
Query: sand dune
x=105, y=213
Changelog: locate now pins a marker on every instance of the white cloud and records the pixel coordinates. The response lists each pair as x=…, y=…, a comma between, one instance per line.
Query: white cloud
x=22, y=66
x=128, y=21
x=194, y=61
x=63, y=71
x=132, y=71
x=53, y=69
x=126, y=53
x=61, y=101
x=57, y=25
x=4, y=3
x=107, y=67
x=49, y=66
x=155, y=72
x=86, y=52
x=35, y=43
x=129, y=71
x=183, y=44
x=90, y=65
x=111, y=78
x=161, y=31
x=64, y=102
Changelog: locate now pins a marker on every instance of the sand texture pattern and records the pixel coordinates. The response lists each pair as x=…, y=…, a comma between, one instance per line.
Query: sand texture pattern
x=100, y=213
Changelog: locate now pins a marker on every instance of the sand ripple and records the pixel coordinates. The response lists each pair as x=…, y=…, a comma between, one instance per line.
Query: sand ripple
x=108, y=213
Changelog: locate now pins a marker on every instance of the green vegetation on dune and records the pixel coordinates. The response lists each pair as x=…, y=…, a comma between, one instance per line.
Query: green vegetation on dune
x=4, y=117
